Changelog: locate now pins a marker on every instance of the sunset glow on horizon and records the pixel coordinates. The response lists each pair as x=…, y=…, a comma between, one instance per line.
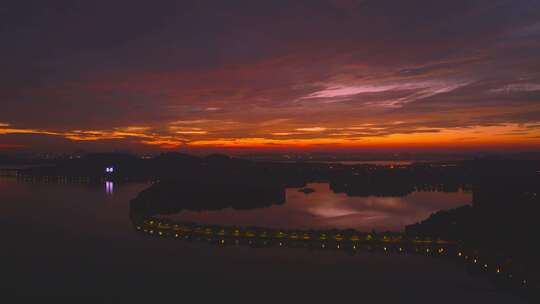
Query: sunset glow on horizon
x=358, y=74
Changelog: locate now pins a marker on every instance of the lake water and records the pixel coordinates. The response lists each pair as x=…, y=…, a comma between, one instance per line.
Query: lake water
x=77, y=239
x=324, y=209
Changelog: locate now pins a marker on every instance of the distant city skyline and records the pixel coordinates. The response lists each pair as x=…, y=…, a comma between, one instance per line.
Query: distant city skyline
x=211, y=76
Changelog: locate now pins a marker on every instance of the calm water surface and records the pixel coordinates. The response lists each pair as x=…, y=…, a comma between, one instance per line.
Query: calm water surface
x=68, y=239
x=326, y=209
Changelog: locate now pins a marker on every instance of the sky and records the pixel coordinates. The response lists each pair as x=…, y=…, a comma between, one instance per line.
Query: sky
x=356, y=75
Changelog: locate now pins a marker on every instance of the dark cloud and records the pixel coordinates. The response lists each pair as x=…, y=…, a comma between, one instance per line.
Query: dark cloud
x=436, y=66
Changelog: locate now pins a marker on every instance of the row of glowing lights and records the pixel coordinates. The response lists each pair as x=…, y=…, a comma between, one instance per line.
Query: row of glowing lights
x=295, y=235
x=338, y=246
x=292, y=235
x=498, y=269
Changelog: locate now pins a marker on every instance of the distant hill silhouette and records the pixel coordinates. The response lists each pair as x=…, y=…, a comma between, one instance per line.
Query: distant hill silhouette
x=353, y=180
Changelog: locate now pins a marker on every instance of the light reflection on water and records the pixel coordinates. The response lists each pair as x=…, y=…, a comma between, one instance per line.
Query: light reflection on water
x=321, y=209
x=326, y=209
x=53, y=229
x=109, y=187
